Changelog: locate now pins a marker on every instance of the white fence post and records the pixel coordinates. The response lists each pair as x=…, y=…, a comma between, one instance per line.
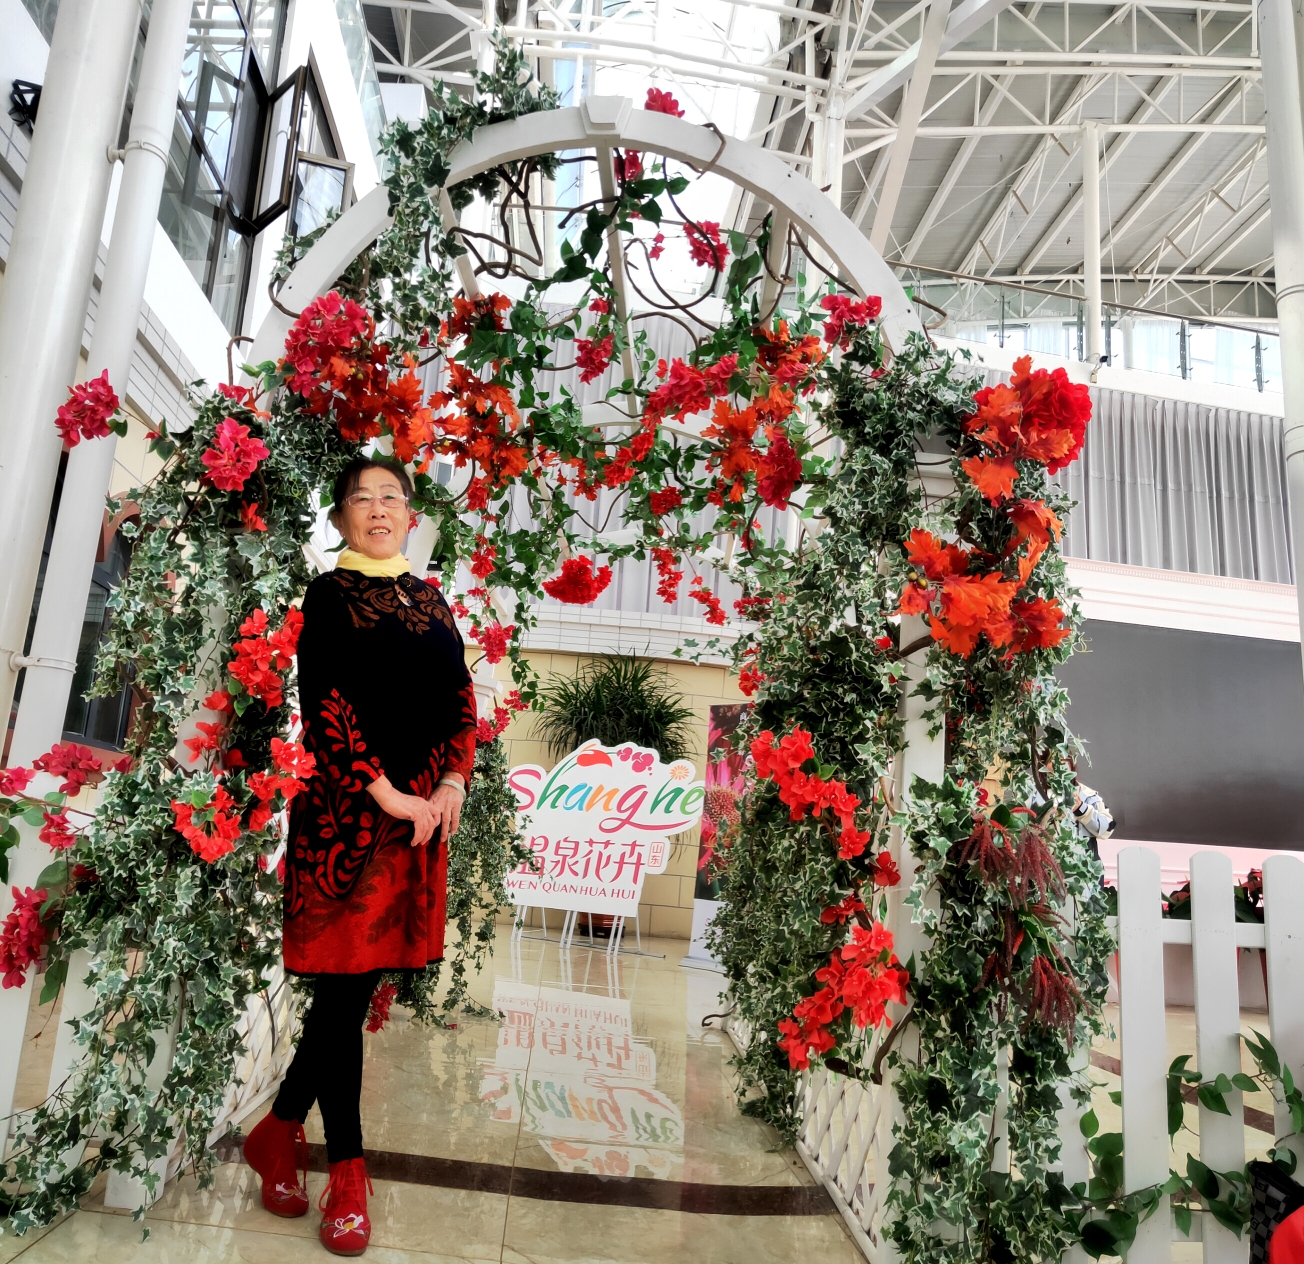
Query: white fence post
x=1144, y=1039
x=1217, y=1031
x=1283, y=918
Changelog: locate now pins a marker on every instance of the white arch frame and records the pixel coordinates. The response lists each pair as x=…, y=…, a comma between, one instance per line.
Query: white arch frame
x=605, y=123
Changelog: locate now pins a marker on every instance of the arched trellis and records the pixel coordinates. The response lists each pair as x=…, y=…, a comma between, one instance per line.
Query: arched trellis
x=606, y=123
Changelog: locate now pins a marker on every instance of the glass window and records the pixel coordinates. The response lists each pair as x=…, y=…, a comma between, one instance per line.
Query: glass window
x=217, y=145
x=264, y=28
x=102, y=721
x=191, y=207
x=211, y=74
x=319, y=191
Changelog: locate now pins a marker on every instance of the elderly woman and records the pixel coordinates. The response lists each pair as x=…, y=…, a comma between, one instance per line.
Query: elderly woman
x=389, y=714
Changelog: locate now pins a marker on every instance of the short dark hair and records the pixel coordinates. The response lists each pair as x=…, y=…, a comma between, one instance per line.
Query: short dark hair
x=351, y=475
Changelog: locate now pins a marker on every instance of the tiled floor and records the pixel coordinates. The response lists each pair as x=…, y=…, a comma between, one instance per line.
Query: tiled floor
x=599, y=1067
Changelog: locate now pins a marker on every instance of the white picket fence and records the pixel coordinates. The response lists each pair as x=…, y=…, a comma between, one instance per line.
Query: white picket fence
x=847, y=1128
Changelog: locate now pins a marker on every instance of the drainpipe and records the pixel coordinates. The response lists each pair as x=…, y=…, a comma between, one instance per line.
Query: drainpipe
x=1285, y=128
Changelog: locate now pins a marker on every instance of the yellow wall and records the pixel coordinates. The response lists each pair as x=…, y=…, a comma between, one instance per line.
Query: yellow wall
x=667, y=904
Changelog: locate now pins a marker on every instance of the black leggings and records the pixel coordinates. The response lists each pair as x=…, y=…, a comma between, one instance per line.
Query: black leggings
x=327, y=1066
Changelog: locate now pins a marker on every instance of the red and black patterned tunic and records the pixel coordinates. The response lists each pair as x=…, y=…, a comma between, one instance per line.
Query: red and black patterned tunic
x=384, y=691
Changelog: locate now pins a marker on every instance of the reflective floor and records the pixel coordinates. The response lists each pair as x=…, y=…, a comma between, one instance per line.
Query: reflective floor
x=498, y=1140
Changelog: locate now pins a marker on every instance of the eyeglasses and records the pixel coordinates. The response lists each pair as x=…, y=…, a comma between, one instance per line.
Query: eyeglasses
x=365, y=500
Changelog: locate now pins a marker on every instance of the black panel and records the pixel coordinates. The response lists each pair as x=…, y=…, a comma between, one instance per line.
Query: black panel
x=1192, y=737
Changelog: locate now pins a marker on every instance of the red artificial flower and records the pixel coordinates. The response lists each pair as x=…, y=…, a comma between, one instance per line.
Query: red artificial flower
x=668, y=575
x=886, y=873
x=599, y=305
x=56, y=831
x=592, y=357
x=993, y=476
x=750, y=679
x=1039, y=416
x=662, y=103
x=209, y=739
x=658, y=249
x=293, y=760
x=15, y=780
x=1034, y=520
x=494, y=639
x=705, y=597
x=578, y=584
x=778, y=472
x=665, y=500
x=327, y=329
x=88, y=410
x=236, y=457
x=845, y=312
x=378, y=1011
x=482, y=560
x=22, y=935
x=705, y=246
x=250, y=518
x=936, y=559
x=840, y=914
x=261, y=658
x=75, y=764
x=220, y=701
x=219, y=839
x=1038, y=625
x=628, y=164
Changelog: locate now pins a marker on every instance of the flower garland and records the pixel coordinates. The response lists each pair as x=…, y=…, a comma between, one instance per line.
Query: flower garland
x=801, y=933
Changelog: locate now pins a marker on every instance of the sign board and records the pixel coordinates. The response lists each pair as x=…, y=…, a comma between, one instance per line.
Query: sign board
x=597, y=824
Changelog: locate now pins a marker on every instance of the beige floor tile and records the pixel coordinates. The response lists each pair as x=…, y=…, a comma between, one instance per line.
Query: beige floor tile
x=104, y=1239
x=561, y=1233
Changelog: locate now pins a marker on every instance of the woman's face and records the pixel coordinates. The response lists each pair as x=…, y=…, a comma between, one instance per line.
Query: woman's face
x=374, y=519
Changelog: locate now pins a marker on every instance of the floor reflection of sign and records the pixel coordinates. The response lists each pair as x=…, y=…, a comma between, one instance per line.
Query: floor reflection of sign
x=597, y=824
x=568, y=1069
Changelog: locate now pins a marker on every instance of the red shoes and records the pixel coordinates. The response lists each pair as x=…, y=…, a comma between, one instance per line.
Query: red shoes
x=278, y=1151
x=345, y=1228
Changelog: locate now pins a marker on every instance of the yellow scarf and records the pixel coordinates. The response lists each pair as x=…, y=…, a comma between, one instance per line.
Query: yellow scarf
x=374, y=567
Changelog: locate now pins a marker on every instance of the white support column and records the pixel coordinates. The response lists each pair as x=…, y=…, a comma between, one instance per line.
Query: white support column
x=46, y=290
x=1285, y=133
x=1217, y=1030
x=90, y=465
x=1144, y=1045
x=912, y=110
x=1091, y=239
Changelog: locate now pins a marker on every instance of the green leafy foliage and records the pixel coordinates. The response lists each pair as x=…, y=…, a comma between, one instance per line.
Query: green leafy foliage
x=615, y=699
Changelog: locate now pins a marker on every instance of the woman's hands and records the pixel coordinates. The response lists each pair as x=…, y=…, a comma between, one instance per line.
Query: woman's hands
x=441, y=812
x=446, y=803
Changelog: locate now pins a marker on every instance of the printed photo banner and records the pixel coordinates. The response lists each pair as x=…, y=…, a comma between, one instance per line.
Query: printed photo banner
x=597, y=824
